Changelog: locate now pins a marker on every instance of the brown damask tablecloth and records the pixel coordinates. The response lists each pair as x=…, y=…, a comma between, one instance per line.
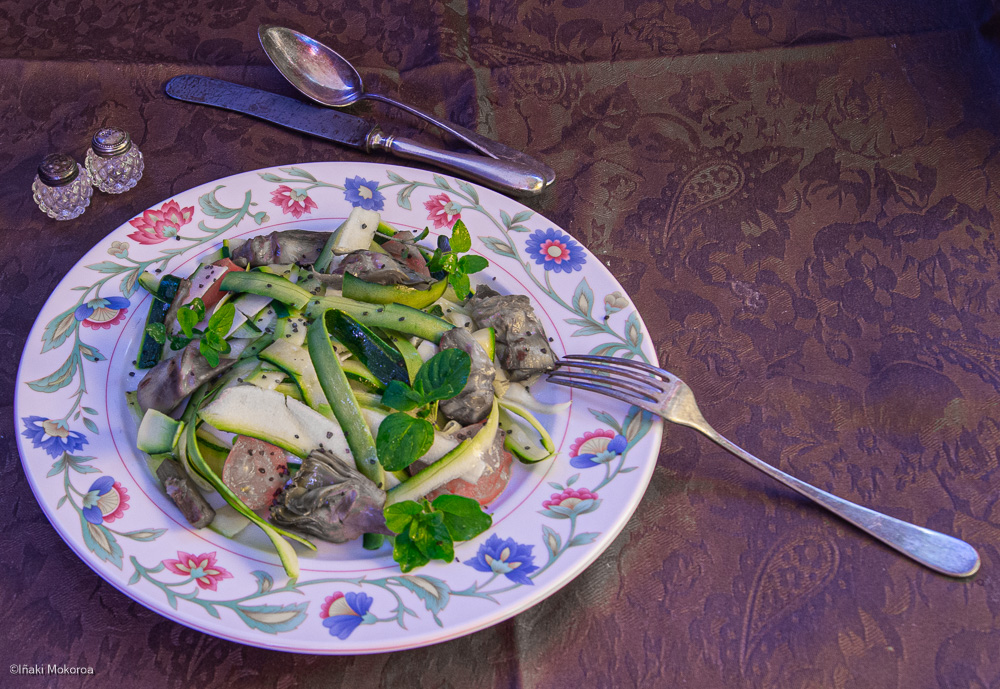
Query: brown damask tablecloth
x=801, y=197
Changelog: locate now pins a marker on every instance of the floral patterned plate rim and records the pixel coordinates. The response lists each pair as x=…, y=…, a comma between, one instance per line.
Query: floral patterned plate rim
x=76, y=435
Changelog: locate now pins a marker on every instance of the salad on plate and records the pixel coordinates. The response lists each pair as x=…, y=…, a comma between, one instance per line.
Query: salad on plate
x=342, y=385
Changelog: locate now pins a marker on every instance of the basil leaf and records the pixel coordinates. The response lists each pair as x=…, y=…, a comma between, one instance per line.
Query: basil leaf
x=399, y=515
x=198, y=306
x=222, y=320
x=215, y=341
x=463, y=516
x=461, y=241
x=400, y=396
x=157, y=331
x=407, y=554
x=443, y=375
x=187, y=318
x=211, y=356
x=402, y=440
x=472, y=264
x=431, y=536
x=178, y=342
x=460, y=281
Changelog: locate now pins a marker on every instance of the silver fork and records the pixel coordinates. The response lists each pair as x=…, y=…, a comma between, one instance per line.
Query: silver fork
x=666, y=395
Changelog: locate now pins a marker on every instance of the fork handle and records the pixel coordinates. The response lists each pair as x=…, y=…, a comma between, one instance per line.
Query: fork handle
x=940, y=552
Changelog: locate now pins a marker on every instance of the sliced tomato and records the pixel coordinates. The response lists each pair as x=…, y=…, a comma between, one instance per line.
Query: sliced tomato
x=488, y=488
x=255, y=471
x=212, y=293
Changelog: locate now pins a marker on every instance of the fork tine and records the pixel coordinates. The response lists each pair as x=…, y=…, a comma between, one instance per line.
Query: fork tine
x=653, y=394
x=600, y=389
x=630, y=363
x=628, y=373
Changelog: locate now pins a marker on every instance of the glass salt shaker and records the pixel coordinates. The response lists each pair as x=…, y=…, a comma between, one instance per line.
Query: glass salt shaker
x=61, y=188
x=115, y=164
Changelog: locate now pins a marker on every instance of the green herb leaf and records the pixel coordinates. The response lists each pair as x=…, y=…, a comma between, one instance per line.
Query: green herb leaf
x=472, y=263
x=407, y=554
x=210, y=354
x=431, y=536
x=443, y=375
x=400, y=396
x=399, y=515
x=463, y=516
x=460, y=281
x=216, y=342
x=187, y=318
x=461, y=240
x=178, y=342
x=222, y=320
x=402, y=440
x=157, y=331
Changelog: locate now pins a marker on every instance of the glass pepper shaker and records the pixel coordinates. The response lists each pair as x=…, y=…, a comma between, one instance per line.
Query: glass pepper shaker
x=115, y=164
x=61, y=188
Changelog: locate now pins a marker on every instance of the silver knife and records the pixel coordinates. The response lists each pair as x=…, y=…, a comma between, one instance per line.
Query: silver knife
x=503, y=175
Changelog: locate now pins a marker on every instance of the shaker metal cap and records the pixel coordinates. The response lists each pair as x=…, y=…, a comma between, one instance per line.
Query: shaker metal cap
x=111, y=141
x=58, y=169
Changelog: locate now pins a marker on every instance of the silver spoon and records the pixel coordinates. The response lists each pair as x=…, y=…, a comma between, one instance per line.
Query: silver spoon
x=326, y=77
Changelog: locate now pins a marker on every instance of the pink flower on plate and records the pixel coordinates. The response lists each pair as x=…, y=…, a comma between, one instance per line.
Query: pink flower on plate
x=292, y=201
x=442, y=211
x=201, y=568
x=155, y=226
x=570, y=503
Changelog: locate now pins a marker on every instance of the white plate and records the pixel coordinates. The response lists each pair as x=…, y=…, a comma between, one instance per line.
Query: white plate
x=77, y=436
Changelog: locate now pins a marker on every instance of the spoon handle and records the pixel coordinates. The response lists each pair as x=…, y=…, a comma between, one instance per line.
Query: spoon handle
x=504, y=175
x=493, y=149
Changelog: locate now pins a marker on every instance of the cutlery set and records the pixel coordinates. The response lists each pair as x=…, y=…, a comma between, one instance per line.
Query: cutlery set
x=325, y=77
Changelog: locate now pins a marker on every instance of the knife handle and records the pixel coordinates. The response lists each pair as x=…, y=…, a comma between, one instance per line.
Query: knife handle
x=489, y=147
x=504, y=175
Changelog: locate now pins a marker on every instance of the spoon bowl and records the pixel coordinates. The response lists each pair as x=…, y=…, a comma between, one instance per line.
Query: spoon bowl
x=316, y=70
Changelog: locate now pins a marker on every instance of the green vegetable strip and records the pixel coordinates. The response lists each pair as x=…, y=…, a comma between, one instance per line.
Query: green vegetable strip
x=382, y=359
x=389, y=316
x=322, y=262
x=396, y=317
x=289, y=559
x=411, y=358
x=346, y=408
x=341, y=397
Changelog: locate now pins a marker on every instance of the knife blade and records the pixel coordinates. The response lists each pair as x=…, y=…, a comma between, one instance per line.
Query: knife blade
x=323, y=123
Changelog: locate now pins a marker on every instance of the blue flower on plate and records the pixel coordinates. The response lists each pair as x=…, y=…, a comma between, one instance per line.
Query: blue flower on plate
x=507, y=557
x=105, y=501
x=102, y=313
x=343, y=613
x=596, y=448
x=364, y=193
x=54, y=437
x=555, y=250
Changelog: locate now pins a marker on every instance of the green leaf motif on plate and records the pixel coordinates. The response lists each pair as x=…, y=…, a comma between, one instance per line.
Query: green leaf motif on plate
x=272, y=619
x=583, y=298
x=264, y=581
x=298, y=172
x=91, y=354
x=403, y=197
x=469, y=190
x=101, y=542
x=109, y=267
x=62, y=377
x=432, y=591
x=144, y=534
x=211, y=205
x=58, y=329
x=498, y=246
